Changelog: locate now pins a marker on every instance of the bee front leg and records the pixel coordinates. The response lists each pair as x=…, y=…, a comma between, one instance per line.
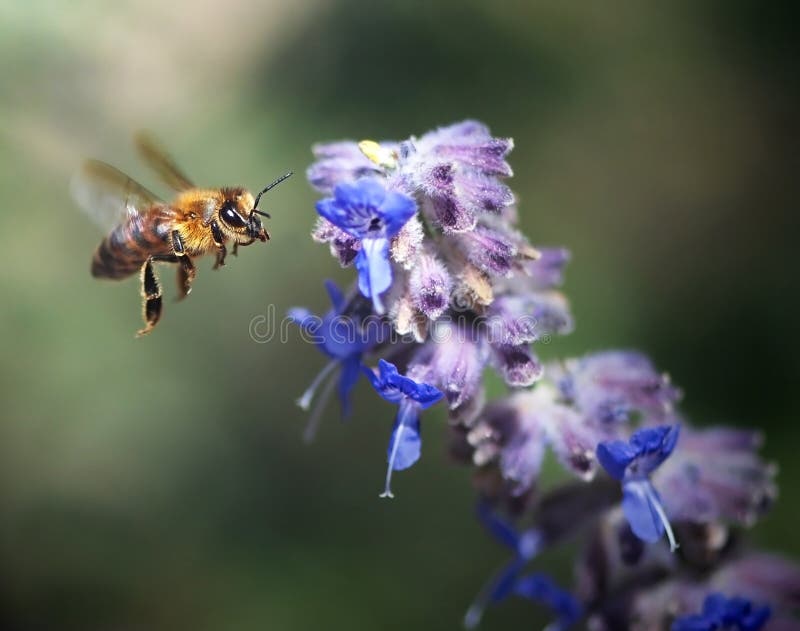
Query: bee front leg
x=236, y=245
x=186, y=269
x=151, y=297
x=219, y=241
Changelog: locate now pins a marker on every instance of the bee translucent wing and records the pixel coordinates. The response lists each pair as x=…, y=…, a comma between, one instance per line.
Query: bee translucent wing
x=158, y=159
x=109, y=196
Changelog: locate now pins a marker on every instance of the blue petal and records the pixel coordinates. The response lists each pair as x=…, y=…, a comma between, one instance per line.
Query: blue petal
x=720, y=612
x=654, y=445
x=388, y=371
x=351, y=369
x=693, y=623
x=336, y=296
x=363, y=194
x=383, y=382
x=397, y=209
x=425, y=394
x=340, y=337
x=540, y=588
x=394, y=387
x=715, y=606
x=303, y=317
x=330, y=210
x=503, y=531
x=505, y=581
x=405, y=444
x=354, y=206
x=616, y=456
x=638, y=505
x=755, y=619
x=374, y=270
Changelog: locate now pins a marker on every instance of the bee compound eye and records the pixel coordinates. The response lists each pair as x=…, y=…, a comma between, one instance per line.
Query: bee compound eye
x=232, y=218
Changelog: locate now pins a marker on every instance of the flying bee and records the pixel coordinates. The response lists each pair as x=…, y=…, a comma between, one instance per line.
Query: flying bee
x=147, y=230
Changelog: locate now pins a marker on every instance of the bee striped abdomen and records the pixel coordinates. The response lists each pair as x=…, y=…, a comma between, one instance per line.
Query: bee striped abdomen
x=124, y=251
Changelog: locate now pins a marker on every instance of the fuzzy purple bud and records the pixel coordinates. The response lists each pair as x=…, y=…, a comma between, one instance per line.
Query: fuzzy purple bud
x=489, y=250
x=717, y=474
x=454, y=359
x=468, y=143
x=516, y=364
x=614, y=386
x=429, y=285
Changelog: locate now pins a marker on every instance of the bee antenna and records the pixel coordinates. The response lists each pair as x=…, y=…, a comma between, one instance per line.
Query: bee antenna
x=271, y=186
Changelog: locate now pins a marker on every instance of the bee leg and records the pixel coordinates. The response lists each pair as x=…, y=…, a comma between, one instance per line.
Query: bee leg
x=186, y=274
x=221, y=253
x=219, y=241
x=236, y=246
x=186, y=271
x=151, y=297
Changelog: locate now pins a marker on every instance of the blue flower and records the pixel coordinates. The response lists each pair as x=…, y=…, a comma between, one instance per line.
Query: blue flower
x=724, y=613
x=524, y=545
x=342, y=337
x=367, y=211
x=412, y=397
x=632, y=463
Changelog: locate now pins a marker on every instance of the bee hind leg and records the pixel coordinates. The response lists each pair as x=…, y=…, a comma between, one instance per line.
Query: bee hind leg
x=151, y=297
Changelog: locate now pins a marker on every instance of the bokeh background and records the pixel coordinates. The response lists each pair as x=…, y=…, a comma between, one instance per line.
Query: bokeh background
x=162, y=483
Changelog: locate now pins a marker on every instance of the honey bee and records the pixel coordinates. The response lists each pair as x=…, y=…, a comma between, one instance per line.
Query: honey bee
x=147, y=230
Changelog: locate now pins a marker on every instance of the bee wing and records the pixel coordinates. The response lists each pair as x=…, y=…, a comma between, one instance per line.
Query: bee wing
x=109, y=196
x=160, y=161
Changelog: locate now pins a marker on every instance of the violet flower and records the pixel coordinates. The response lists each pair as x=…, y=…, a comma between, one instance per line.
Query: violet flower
x=430, y=224
x=344, y=338
x=724, y=613
x=411, y=397
x=370, y=213
x=632, y=463
x=524, y=545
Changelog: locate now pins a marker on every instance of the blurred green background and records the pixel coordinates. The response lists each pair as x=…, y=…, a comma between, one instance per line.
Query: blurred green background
x=162, y=483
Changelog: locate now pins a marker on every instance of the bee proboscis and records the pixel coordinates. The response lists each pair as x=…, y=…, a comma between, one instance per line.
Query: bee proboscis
x=148, y=230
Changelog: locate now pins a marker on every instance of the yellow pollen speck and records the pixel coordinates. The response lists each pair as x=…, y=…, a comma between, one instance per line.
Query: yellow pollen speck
x=379, y=155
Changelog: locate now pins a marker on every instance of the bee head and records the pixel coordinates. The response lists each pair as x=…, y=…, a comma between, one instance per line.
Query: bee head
x=239, y=214
x=236, y=218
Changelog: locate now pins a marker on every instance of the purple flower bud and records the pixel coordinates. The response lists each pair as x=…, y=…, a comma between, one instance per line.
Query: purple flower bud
x=548, y=270
x=429, y=284
x=520, y=425
x=516, y=364
x=525, y=318
x=764, y=579
x=407, y=244
x=454, y=359
x=468, y=143
x=343, y=246
x=339, y=162
x=448, y=213
x=489, y=250
x=481, y=193
x=611, y=387
x=717, y=474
